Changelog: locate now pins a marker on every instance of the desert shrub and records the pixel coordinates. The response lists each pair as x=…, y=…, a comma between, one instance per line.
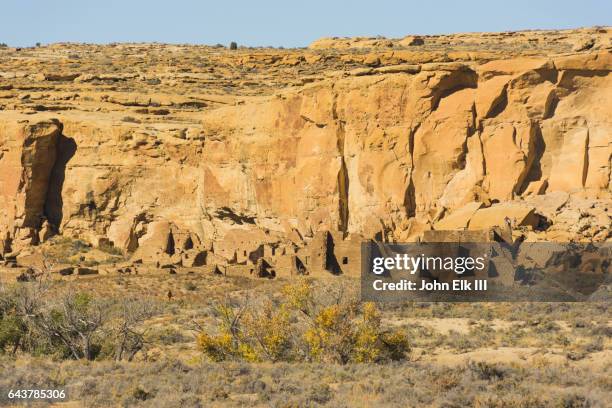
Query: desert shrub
x=461, y=342
x=514, y=336
x=509, y=401
x=130, y=119
x=12, y=330
x=251, y=335
x=444, y=379
x=110, y=249
x=304, y=325
x=190, y=286
x=233, y=45
x=64, y=249
x=71, y=324
x=602, y=329
x=573, y=400
x=167, y=336
x=479, y=335
x=125, y=326
x=11, y=327
x=594, y=345
x=544, y=326
x=141, y=394
x=15, y=333
x=485, y=371
x=170, y=383
x=217, y=348
x=90, y=263
x=320, y=393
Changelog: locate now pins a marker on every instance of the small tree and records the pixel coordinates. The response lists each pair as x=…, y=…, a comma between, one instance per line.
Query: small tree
x=17, y=305
x=233, y=45
x=12, y=327
x=12, y=331
x=73, y=325
x=126, y=328
x=75, y=322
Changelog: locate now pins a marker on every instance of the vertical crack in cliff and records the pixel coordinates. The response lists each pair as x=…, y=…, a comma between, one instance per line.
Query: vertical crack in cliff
x=533, y=166
x=53, y=208
x=410, y=194
x=499, y=104
x=585, y=169
x=471, y=130
x=343, y=178
x=343, y=189
x=552, y=100
x=528, y=158
x=484, y=158
x=477, y=127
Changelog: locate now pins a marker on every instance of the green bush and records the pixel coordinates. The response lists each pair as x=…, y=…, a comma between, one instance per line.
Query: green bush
x=12, y=330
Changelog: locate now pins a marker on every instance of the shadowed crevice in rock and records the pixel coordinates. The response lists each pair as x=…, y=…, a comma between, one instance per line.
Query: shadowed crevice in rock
x=37, y=160
x=170, y=245
x=343, y=177
x=568, y=76
x=226, y=213
x=66, y=149
x=535, y=170
x=331, y=262
x=410, y=200
x=551, y=105
x=454, y=82
x=343, y=192
x=410, y=194
x=499, y=104
x=549, y=74
x=585, y=169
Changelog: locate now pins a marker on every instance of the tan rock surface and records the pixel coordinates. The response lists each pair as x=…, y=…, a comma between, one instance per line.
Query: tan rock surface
x=230, y=151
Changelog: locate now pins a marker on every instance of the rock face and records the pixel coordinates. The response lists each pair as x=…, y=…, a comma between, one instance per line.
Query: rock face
x=26, y=177
x=176, y=151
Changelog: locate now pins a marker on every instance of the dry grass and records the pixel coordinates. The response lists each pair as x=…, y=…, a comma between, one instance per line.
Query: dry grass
x=484, y=355
x=176, y=384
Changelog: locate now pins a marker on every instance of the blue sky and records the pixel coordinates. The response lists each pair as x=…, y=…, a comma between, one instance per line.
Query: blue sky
x=287, y=23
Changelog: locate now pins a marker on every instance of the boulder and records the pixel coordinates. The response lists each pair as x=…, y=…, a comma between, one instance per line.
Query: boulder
x=460, y=218
x=498, y=214
x=411, y=41
x=548, y=204
x=539, y=254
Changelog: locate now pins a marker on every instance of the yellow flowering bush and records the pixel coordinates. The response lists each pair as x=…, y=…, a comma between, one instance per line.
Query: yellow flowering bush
x=305, y=325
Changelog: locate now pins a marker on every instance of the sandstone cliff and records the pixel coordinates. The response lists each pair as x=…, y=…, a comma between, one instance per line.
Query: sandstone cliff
x=154, y=148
